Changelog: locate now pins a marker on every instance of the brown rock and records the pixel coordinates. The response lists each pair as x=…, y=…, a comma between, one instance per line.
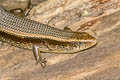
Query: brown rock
x=101, y=62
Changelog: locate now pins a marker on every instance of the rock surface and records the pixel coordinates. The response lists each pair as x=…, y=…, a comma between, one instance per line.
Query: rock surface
x=100, y=18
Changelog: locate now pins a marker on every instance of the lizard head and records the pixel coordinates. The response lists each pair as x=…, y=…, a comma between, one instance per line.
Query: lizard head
x=78, y=42
x=85, y=40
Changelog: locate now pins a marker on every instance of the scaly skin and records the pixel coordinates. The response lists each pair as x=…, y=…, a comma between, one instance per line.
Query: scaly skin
x=28, y=34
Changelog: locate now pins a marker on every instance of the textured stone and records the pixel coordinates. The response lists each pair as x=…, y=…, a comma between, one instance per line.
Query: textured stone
x=100, y=18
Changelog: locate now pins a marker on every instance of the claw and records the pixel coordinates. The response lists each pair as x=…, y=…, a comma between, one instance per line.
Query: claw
x=42, y=63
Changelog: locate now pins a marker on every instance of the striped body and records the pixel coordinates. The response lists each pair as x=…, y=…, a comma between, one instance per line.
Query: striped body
x=32, y=35
x=24, y=33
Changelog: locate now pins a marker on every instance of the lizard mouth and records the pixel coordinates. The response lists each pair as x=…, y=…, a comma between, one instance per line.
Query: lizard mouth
x=88, y=44
x=84, y=44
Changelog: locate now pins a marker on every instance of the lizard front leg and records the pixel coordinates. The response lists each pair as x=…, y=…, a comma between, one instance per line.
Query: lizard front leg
x=38, y=57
